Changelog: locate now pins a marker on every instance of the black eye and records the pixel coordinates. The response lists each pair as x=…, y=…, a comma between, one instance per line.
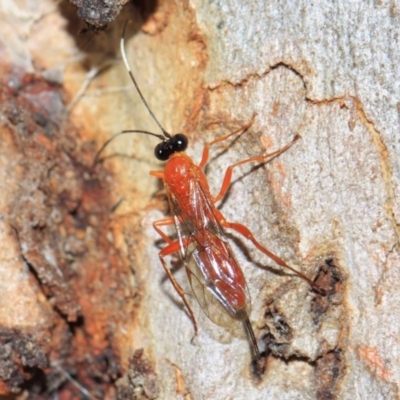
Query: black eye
x=163, y=151
x=175, y=144
x=180, y=142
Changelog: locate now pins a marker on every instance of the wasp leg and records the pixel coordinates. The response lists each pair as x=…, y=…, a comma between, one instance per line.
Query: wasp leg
x=157, y=174
x=171, y=248
x=244, y=231
x=258, y=159
x=206, y=149
x=164, y=222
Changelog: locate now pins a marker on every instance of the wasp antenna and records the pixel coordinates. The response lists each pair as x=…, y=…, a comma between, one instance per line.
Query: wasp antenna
x=123, y=53
x=106, y=143
x=74, y=382
x=253, y=340
x=97, y=70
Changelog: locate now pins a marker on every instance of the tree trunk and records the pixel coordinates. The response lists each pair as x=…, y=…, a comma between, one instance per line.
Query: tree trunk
x=83, y=289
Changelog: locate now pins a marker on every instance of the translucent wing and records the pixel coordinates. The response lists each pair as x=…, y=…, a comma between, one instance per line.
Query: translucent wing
x=214, y=274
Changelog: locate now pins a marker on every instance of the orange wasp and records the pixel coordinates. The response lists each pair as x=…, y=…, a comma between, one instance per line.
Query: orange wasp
x=213, y=272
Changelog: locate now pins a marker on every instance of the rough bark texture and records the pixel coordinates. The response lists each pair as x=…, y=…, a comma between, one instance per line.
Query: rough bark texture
x=98, y=13
x=82, y=288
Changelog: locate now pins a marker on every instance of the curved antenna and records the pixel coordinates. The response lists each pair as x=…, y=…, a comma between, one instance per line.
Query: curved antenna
x=105, y=144
x=123, y=53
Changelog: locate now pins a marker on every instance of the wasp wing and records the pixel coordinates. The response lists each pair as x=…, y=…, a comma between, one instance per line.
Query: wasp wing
x=213, y=272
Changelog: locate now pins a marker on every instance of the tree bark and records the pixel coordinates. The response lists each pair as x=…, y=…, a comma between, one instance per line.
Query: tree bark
x=82, y=283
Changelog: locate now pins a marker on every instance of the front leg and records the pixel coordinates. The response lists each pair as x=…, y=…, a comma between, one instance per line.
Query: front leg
x=226, y=182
